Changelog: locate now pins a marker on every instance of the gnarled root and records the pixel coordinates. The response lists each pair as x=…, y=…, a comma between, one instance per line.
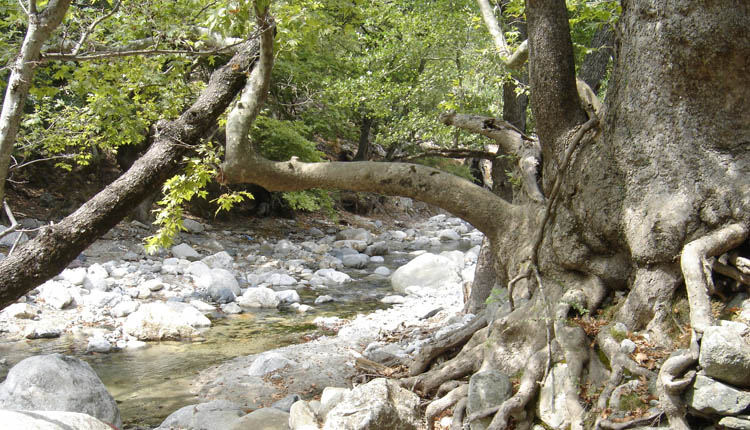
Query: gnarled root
x=465, y=363
x=526, y=391
x=439, y=346
x=619, y=362
x=670, y=386
x=697, y=271
x=458, y=414
x=443, y=403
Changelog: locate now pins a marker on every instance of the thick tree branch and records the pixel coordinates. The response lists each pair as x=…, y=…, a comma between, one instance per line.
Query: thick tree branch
x=487, y=211
x=251, y=100
x=510, y=140
x=519, y=57
x=554, y=95
x=55, y=246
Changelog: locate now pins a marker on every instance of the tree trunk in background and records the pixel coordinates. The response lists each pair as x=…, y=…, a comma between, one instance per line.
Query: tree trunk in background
x=363, y=149
x=593, y=71
x=40, y=28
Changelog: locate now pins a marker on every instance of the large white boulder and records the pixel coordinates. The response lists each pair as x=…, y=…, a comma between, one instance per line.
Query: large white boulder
x=427, y=270
x=161, y=321
x=259, y=297
x=379, y=404
x=214, y=415
x=50, y=420
x=57, y=383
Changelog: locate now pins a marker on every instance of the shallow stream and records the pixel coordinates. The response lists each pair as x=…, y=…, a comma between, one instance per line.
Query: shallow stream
x=150, y=384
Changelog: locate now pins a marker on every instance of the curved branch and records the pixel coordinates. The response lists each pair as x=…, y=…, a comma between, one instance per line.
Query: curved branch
x=696, y=270
x=478, y=206
x=510, y=140
x=518, y=58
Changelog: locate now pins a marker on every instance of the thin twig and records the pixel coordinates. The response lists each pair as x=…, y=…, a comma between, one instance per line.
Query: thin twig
x=25, y=10
x=17, y=165
x=577, y=137
x=93, y=25
x=13, y=223
x=45, y=58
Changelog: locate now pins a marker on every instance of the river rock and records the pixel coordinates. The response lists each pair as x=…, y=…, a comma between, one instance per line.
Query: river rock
x=193, y=226
x=735, y=423
x=393, y=300
x=231, y=308
x=259, y=297
x=220, y=260
x=58, y=383
x=382, y=271
x=214, y=415
x=288, y=296
x=185, y=251
x=278, y=279
x=448, y=235
x=390, y=354
x=379, y=404
x=333, y=277
x=486, y=389
x=44, y=331
x=426, y=270
x=74, y=276
x=202, y=306
x=153, y=284
x=725, y=354
x=50, y=420
x=98, y=344
x=355, y=261
x=331, y=397
x=269, y=362
x=20, y=311
x=323, y=299
x=302, y=417
x=712, y=397
x=125, y=308
x=286, y=403
x=222, y=279
x=263, y=419
x=165, y=321
x=377, y=249
x=355, y=234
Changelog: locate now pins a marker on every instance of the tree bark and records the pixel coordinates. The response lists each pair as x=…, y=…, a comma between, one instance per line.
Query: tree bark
x=363, y=149
x=40, y=27
x=55, y=246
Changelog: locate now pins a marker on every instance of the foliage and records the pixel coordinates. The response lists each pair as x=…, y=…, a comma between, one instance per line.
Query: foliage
x=281, y=140
x=447, y=165
x=179, y=189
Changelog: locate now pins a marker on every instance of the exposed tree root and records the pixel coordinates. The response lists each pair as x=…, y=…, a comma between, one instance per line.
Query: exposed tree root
x=448, y=386
x=619, y=362
x=459, y=412
x=670, y=385
x=438, y=406
x=532, y=376
x=646, y=419
x=697, y=271
x=439, y=346
x=465, y=363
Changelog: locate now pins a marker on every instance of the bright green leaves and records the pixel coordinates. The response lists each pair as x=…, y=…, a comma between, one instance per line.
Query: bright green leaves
x=226, y=201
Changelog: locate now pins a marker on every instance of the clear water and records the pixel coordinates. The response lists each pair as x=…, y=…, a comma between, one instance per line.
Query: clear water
x=150, y=384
